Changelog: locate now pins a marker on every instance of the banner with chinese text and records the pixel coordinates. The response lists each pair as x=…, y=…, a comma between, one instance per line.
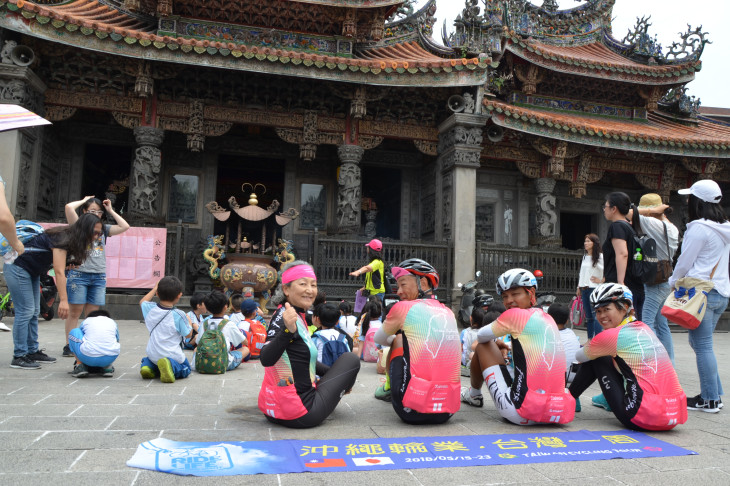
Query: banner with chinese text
x=294, y=456
x=136, y=258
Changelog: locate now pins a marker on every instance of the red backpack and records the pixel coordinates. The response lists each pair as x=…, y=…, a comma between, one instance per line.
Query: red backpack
x=256, y=337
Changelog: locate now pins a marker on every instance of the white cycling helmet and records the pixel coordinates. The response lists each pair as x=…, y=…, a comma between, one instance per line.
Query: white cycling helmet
x=516, y=277
x=606, y=293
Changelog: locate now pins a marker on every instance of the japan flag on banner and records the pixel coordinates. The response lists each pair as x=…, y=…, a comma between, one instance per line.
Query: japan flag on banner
x=372, y=461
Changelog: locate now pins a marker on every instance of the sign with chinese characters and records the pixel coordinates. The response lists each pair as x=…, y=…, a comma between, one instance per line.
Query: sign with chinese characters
x=136, y=258
x=294, y=456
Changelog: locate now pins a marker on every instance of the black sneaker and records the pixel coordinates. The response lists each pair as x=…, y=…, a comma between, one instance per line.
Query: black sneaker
x=107, y=372
x=80, y=370
x=700, y=404
x=41, y=356
x=67, y=352
x=24, y=363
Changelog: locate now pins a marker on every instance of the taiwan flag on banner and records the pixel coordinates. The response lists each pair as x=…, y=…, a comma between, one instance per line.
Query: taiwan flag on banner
x=326, y=463
x=372, y=461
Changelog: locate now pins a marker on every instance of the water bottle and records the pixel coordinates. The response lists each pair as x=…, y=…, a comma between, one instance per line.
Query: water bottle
x=10, y=256
x=638, y=256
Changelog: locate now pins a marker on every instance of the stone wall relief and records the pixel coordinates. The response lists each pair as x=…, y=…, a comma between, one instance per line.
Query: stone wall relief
x=349, y=195
x=145, y=183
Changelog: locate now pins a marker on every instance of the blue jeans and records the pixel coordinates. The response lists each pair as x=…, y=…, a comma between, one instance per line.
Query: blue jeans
x=26, y=293
x=592, y=325
x=654, y=297
x=180, y=370
x=86, y=288
x=700, y=340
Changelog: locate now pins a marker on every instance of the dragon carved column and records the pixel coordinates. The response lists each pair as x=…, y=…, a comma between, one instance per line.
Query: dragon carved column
x=546, y=218
x=145, y=180
x=349, y=196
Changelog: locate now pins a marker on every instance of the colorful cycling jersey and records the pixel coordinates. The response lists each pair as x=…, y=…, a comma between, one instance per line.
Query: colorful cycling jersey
x=539, y=361
x=641, y=358
x=433, y=350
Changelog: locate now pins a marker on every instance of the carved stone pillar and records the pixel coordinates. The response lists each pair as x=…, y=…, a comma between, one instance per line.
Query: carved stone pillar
x=144, y=185
x=546, y=218
x=349, y=193
x=460, y=148
x=21, y=150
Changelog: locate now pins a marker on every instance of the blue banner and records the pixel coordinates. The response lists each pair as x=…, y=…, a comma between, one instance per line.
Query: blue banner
x=294, y=456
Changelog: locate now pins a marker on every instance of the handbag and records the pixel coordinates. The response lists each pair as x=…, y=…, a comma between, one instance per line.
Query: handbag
x=577, y=312
x=664, y=267
x=687, y=303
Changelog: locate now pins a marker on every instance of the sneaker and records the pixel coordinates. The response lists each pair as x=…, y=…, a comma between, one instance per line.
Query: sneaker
x=3, y=327
x=107, y=372
x=166, y=373
x=67, y=352
x=80, y=370
x=41, y=356
x=24, y=363
x=465, y=371
x=601, y=402
x=466, y=397
x=382, y=394
x=702, y=405
x=577, y=404
x=146, y=372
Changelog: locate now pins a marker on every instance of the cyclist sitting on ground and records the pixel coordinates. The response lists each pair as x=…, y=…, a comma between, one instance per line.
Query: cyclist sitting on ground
x=424, y=358
x=537, y=392
x=631, y=366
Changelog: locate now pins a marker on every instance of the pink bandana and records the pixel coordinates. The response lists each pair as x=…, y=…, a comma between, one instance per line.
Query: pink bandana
x=297, y=272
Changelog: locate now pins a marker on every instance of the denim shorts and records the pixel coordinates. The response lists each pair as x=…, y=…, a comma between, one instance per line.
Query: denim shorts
x=86, y=288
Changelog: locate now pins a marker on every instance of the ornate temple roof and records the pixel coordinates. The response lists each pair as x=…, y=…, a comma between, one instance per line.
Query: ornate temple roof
x=656, y=134
x=597, y=60
x=90, y=24
x=353, y=3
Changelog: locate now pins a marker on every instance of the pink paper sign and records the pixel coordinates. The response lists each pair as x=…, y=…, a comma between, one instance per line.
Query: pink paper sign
x=135, y=259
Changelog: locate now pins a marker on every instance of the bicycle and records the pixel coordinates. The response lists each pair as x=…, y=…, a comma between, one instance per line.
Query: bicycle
x=6, y=306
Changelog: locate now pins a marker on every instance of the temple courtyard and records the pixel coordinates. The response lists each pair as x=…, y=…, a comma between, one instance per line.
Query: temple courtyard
x=57, y=430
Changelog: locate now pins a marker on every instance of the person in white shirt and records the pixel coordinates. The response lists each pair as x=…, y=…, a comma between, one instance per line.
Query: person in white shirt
x=591, y=275
x=95, y=343
x=348, y=322
x=705, y=250
x=655, y=223
x=571, y=344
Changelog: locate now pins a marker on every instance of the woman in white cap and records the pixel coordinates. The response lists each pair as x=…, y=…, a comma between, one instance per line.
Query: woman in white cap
x=704, y=255
x=375, y=270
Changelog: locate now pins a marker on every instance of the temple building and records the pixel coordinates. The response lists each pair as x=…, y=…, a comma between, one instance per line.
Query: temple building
x=506, y=134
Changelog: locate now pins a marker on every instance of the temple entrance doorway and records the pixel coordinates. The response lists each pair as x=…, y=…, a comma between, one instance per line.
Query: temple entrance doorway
x=266, y=179
x=381, y=190
x=574, y=227
x=106, y=174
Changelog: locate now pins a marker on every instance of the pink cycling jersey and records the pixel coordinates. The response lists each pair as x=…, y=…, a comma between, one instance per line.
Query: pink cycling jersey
x=433, y=353
x=662, y=400
x=538, y=388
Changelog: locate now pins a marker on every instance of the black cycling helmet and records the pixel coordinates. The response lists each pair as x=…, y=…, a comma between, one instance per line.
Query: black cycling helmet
x=421, y=268
x=484, y=300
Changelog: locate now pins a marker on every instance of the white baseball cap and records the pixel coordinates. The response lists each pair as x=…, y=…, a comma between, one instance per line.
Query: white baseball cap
x=705, y=189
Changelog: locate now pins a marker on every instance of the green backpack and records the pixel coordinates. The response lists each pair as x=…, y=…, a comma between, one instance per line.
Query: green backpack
x=211, y=354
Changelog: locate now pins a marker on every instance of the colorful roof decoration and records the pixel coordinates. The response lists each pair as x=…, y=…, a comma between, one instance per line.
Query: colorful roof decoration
x=597, y=60
x=658, y=134
x=90, y=24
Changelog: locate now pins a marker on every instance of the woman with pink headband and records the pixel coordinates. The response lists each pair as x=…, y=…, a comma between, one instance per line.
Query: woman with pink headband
x=292, y=394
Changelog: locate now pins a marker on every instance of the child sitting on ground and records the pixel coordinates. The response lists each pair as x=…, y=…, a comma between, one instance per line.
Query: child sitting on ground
x=95, y=343
x=326, y=317
x=197, y=316
x=235, y=309
x=560, y=314
x=167, y=326
x=216, y=303
x=347, y=322
x=468, y=336
x=253, y=329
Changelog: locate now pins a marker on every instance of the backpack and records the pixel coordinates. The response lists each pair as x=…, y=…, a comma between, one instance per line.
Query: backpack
x=642, y=257
x=388, y=277
x=256, y=337
x=370, y=349
x=211, y=356
x=333, y=348
x=26, y=231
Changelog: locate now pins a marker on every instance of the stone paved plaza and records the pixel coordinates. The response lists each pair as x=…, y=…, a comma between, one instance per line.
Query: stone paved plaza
x=58, y=430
